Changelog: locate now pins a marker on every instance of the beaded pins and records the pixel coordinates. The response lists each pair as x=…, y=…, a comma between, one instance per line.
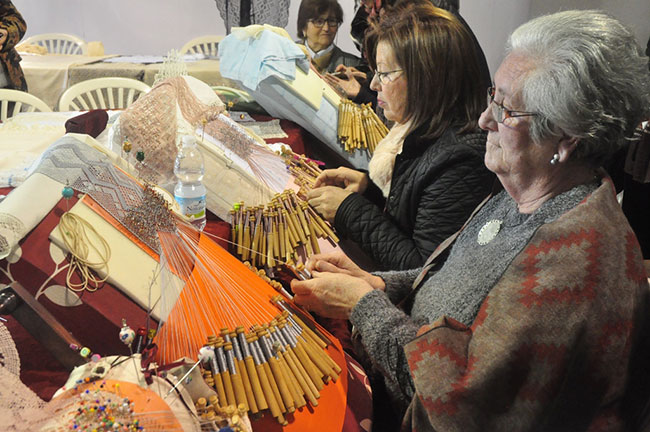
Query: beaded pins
x=359, y=127
x=280, y=366
x=284, y=231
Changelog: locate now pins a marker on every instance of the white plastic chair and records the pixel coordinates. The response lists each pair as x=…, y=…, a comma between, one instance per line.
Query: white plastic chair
x=229, y=93
x=102, y=93
x=21, y=101
x=208, y=45
x=59, y=43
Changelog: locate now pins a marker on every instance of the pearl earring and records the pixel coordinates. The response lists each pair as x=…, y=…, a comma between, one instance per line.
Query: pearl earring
x=556, y=159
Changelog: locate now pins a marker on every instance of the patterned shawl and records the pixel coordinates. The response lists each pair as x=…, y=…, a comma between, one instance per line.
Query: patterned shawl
x=551, y=346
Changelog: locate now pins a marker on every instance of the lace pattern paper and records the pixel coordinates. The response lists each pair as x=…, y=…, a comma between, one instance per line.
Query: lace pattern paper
x=267, y=130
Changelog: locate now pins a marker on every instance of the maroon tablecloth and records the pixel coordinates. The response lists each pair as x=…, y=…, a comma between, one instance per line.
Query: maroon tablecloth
x=95, y=321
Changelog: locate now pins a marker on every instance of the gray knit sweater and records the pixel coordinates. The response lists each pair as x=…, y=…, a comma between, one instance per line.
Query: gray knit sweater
x=456, y=290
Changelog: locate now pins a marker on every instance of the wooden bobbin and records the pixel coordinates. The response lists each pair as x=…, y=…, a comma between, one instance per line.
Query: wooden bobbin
x=241, y=369
x=269, y=395
x=225, y=373
x=235, y=376
x=252, y=371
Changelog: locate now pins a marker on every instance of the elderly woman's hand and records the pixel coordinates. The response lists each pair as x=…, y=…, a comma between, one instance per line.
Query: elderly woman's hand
x=352, y=180
x=326, y=200
x=338, y=262
x=331, y=295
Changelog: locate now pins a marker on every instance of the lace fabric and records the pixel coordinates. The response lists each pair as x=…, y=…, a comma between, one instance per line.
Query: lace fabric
x=152, y=122
x=11, y=230
x=273, y=12
x=20, y=408
x=85, y=169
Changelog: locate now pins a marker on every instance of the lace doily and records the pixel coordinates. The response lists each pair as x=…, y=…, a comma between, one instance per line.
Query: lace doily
x=11, y=229
x=9, y=359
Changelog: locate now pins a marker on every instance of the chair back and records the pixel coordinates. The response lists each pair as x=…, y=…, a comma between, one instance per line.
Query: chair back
x=59, y=43
x=102, y=93
x=208, y=45
x=13, y=102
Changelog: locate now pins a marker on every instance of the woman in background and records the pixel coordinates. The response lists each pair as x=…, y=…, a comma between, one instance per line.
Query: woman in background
x=12, y=29
x=427, y=175
x=318, y=23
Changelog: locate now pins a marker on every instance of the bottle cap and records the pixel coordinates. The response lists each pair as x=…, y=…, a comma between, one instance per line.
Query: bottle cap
x=188, y=140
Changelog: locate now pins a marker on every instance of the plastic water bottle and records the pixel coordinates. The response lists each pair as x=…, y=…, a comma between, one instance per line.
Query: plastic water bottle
x=190, y=191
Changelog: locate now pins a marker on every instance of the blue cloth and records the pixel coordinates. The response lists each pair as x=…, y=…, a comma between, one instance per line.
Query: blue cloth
x=251, y=60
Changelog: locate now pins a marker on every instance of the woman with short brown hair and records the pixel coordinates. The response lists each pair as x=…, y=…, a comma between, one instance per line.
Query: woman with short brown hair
x=427, y=175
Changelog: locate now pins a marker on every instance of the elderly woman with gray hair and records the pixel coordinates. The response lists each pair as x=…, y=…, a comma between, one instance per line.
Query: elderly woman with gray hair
x=536, y=319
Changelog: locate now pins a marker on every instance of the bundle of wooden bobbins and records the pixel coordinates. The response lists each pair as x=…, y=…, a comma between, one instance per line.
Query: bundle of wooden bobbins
x=280, y=366
x=305, y=171
x=359, y=127
x=282, y=232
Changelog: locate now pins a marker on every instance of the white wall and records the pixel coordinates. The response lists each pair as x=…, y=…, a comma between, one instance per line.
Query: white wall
x=156, y=26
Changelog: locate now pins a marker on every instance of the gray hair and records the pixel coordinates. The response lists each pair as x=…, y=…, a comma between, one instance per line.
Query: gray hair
x=588, y=80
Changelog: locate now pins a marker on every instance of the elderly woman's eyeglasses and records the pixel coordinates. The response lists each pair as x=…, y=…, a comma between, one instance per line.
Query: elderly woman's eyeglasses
x=501, y=113
x=320, y=22
x=385, y=77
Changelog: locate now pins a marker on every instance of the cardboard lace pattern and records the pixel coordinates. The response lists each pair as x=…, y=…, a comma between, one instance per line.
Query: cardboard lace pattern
x=151, y=125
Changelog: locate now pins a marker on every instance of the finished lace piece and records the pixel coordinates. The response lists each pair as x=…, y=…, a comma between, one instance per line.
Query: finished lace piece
x=87, y=170
x=151, y=125
x=273, y=12
x=20, y=408
x=11, y=230
x=9, y=359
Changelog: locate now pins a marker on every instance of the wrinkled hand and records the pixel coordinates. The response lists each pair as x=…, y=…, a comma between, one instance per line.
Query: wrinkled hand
x=3, y=37
x=346, y=178
x=326, y=200
x=331, y=295
x=338, y=262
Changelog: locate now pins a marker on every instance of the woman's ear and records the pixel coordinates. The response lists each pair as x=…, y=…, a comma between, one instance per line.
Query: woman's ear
x=566, y=146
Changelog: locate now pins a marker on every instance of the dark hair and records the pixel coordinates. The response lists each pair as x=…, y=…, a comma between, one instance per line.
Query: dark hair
x=312, y=9
x=438, y=57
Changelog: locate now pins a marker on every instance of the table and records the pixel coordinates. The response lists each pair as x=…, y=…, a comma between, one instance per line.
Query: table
x=48, y=76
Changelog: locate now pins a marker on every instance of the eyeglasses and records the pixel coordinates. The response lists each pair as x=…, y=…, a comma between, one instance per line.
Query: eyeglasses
x=384, y=77
x=320, y=22
x=501, y=113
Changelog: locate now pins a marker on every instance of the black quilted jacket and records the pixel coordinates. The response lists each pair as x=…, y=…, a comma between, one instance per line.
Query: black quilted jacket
x=435, y=186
